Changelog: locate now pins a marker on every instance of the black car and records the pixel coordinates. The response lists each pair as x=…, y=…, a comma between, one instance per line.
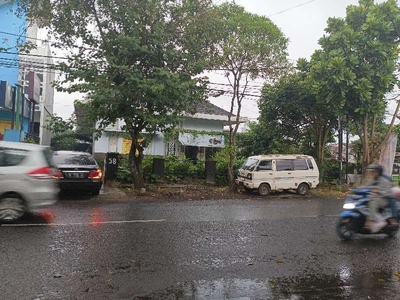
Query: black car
x=78, y=171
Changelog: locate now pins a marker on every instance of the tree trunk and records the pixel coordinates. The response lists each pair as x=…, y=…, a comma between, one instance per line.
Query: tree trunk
x=365, y=145
x=135, y=162
x=231, y=175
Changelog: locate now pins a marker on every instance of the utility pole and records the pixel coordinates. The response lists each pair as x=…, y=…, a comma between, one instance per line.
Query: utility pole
x=347, y=150
x=340, y=150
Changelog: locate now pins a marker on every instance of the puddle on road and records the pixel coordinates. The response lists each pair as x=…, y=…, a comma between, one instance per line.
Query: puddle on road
x=344, y=285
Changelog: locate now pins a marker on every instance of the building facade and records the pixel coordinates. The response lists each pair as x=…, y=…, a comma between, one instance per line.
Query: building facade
x=197, y=136
x=26, y=115
x=40, y=64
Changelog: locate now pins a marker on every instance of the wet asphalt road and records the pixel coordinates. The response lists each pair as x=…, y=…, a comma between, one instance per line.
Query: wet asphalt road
x=222, y=249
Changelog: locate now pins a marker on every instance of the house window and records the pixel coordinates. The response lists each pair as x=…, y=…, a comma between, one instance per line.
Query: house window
x=171, y=148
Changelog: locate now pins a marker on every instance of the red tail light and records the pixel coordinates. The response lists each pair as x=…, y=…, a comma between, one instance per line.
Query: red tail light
x=58, y=175
x=42, y=173
x=96, y=174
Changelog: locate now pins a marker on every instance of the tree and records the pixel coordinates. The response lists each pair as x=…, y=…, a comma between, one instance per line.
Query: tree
x=291, y=112
x=249, y=46
x=255, y=141
x=137, y=60
x=355, y=68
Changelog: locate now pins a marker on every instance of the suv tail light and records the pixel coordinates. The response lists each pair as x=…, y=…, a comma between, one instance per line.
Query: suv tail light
x=42, y=173
x=96, y=174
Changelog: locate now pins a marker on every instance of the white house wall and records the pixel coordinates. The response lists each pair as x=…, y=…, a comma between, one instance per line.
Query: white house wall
x=158, y=145
x=101, y=145
x=203, y=125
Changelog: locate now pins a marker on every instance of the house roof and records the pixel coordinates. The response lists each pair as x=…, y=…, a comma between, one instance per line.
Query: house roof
x=208, y=108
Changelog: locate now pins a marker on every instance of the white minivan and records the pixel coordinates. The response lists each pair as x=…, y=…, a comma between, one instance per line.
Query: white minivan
x=266, y=173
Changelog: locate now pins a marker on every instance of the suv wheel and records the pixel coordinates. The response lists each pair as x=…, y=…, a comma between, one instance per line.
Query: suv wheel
x=11, y=208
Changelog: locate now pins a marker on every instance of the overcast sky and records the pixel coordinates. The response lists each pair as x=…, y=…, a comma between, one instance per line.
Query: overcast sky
x=303, y=25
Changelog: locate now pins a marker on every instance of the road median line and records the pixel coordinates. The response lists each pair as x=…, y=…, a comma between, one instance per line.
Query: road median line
x=94, y=223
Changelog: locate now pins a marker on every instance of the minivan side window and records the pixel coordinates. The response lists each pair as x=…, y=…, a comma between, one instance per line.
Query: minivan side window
x=284, y=165
x=11, y=157
x=310, y=165
x=265, y=165
x=300, y=164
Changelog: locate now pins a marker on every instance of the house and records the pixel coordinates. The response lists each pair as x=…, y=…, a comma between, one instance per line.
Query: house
x=334, y=152
x=196, y=136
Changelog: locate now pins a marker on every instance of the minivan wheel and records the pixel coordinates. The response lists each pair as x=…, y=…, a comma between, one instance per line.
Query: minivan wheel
x=303, y=189
x=264, y=189
x=11, y=208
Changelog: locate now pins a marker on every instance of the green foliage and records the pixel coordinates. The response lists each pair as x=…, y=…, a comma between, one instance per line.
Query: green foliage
x=222, y=159
x=30, y=140
x=179, y=171
x=66, y=141
x=58, y=125
x=356, y=66
x=255, y=141
x=329, y=171
x=124, y=174
x=292, y=115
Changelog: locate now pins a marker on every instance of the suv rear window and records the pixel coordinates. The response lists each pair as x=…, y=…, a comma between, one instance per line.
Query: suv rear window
x=12, y=157
x=74, y=159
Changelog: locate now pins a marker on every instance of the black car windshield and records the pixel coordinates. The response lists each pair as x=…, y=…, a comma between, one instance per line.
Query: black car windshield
x=73, y=159
x=249, y=164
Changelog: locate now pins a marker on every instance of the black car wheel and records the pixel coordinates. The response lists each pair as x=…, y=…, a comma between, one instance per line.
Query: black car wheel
x=96, y=192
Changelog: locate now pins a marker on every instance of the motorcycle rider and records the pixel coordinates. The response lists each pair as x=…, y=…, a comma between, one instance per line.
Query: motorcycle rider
x=381, y=186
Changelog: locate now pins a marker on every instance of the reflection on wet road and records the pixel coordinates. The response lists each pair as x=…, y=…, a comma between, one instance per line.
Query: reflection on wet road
x=375, y=286
x=239, y=249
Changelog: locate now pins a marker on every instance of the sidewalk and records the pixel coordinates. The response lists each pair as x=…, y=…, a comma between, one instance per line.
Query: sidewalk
x=115, y=191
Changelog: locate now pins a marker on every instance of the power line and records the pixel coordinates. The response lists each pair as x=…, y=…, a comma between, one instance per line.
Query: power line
x=27, y=37
x=227, y=84
x=291, y=8
x=34, y=55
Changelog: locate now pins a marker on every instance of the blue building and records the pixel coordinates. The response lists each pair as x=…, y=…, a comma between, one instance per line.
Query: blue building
x=15, y=113
x=15, y=28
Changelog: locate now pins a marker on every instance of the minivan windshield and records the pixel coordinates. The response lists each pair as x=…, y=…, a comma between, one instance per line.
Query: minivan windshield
x=249, y=164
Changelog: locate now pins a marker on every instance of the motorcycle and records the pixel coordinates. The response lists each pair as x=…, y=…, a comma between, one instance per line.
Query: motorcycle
x=355, y=211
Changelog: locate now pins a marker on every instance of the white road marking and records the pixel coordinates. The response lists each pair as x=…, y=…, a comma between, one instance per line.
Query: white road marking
x=94, y=223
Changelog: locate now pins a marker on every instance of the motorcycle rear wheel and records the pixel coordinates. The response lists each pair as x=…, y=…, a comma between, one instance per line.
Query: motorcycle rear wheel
x=345, y=229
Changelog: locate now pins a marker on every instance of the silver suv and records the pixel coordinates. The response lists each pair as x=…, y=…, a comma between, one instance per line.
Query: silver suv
x=26, y=179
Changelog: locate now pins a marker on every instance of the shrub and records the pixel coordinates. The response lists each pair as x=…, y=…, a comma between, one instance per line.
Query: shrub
x=100, y=162
x=124, y=174
x=222, y=159
x=177, y=171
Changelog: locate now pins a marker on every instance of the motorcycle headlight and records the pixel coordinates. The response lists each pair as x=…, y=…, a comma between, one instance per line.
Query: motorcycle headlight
x=349, y=206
